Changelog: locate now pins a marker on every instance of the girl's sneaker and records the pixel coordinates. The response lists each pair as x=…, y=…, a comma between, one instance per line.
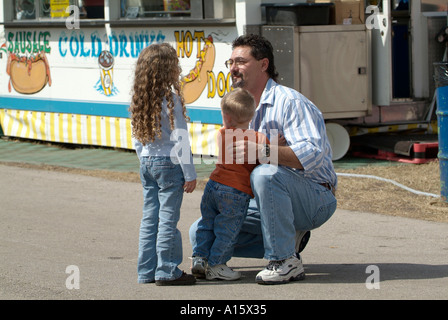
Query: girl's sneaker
x=221, y=272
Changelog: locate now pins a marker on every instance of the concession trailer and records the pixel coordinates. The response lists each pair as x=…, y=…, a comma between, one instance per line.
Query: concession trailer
x=66, y=66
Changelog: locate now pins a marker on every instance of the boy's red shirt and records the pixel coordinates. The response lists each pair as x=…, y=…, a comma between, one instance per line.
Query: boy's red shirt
x=236, y=175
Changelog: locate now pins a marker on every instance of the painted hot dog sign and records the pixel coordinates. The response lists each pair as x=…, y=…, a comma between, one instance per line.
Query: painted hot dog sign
x=196, y=80
x=202, y=75
x=40, y=60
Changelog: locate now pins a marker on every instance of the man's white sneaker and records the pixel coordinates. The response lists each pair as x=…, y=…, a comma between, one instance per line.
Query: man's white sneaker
x=302, y=238
x=198, y=266
x=222, y=272
x=283, y=271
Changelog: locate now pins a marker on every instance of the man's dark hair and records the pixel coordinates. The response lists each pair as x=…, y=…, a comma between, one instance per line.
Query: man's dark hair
x=261, y=48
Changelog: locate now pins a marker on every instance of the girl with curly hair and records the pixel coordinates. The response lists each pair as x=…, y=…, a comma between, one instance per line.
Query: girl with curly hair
x=159, y=128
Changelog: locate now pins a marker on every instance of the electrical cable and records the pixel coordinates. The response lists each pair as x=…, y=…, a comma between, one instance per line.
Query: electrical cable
x=390, y=181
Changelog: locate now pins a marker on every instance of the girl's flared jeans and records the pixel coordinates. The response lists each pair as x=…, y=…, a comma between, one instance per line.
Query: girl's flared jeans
x=160, y=243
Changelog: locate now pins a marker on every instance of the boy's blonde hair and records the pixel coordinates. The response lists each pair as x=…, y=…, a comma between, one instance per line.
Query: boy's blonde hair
x=239, y=104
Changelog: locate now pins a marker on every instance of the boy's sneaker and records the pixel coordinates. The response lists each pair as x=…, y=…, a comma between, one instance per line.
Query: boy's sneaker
x=198, y=265
x=221, y=272
x=302, y=238
x=283, y=271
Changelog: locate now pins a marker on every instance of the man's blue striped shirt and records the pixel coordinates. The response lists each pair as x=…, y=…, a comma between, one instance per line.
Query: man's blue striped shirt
x=303, y=126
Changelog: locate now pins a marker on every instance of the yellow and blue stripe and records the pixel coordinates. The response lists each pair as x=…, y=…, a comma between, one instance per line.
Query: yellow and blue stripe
x=92, y=129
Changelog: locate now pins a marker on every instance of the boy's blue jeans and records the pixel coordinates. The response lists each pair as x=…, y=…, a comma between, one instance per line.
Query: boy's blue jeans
x=223, y=210
x=285, y=202
x=160, y=242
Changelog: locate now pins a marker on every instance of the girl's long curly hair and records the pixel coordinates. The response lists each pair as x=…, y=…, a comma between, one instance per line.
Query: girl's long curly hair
x=156, y=77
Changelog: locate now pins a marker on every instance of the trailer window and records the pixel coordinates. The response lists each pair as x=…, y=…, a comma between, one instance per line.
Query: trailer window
x=24, y=9
x=155, y=8
x=32, y=12
x=56, y=9
x=91, y=9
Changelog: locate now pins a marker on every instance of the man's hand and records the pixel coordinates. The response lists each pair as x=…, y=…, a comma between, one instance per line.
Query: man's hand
x=245, y=151
x=281, y=140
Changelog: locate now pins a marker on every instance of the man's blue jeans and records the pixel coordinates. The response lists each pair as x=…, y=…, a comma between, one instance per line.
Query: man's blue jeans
x=285, y=202
x=160, y=242
x=223, y=210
